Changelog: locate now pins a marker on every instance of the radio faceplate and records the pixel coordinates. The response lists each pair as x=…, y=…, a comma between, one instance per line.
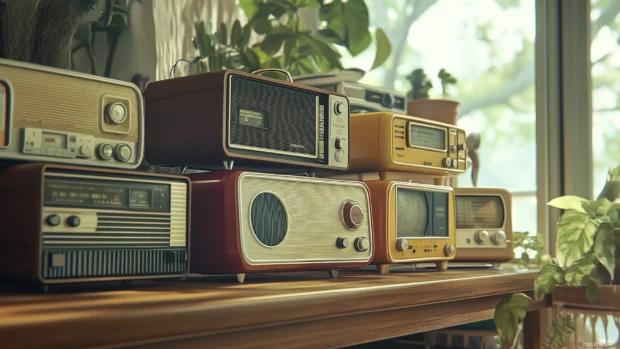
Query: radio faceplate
x=59, y=116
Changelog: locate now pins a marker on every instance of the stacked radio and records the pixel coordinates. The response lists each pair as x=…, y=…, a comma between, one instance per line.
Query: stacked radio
x=284, y=178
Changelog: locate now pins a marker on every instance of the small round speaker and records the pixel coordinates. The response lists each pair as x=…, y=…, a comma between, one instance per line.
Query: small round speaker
x=268, y=219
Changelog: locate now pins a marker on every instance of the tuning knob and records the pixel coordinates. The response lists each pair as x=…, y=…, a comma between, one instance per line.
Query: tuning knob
x=449, y=250
x=362, y=244
x=498, y=238
x=447, y=162
x=352, y=215
x=116, y=113
x=402, y=245
x=105, y=151
x=340, y=143
x=481, y=237
x=123, y=152
x=462, y=146
x=339, y=108
x=342, y=243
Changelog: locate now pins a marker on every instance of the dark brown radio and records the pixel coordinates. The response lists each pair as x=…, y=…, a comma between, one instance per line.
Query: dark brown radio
x=206, y=120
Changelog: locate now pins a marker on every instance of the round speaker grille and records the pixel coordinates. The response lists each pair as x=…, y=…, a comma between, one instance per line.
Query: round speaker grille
x=268, y=219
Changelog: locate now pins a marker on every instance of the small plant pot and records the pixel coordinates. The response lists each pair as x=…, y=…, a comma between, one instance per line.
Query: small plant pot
x=442, y=110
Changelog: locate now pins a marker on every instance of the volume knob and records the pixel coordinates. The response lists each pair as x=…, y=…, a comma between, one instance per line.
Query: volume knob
x=339, y=108
x=449, y=250
x=352, y=215
x=123, y=152
x=342, y=243
x=362, y=244
x=498, y=238
x=340, y=143
x=402, y=245
x=481, y=237
x=116, y=113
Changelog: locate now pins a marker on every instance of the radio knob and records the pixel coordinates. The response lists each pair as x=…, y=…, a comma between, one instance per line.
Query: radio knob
x=123, y=152
x=105, y=151
x=352, y=215
x=402, y=245
x=498, y=238
x=116, y=113
x=481, y=237
x=362, y=244
x=340, y=143
x=342, y=243
x=84, y=150
x=53, y=220
x=339, y=108
x=455, y=163
x=73, y=221
x=462, y=146
x=448, y=250
x=447, y=162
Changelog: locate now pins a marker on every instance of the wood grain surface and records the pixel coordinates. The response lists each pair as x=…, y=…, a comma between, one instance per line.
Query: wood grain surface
x=571, y=297
x=289, y=310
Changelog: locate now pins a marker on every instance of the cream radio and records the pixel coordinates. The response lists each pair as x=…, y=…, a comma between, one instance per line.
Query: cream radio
x=413, y=223
x=60, y=116
x=483, y=225
x=388, y=142
x=64, y=224
x=247, y=222
x=203, y=121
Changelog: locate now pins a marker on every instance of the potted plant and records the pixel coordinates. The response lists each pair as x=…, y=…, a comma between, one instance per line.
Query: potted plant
x=419, y=104
x=289, y=42
x=588, y=235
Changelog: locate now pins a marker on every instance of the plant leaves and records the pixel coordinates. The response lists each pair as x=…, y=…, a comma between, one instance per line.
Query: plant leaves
x=524, y=261
x=575, y=234
x=568, y=202
x=591, y=288
x=509, y=314
x=245, y=37
x=614, y=215
x=251, y=59
x=384, y=48
x=273, y=42
x=325, y=51
x=222, y=34
x=348, y=24
x=605, y=248
x=249, y=7
x=547, y=279
x=235, y=35
x=598, y=208
x=557, y=334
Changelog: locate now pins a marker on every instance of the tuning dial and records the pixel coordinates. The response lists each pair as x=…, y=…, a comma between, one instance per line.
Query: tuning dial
x=352, y=215
x=73, y=221
x=105, y=151
x=53, y=220
x=123, y=152
x=447, y=162
x=462, y=146
x=448, y=250
x=340, y=143
x=339, y=108
x=115, y=113
x=481, y=237
x=342, y=243
x=362, y=244
x=498, y=238
x=84, y=150
x=455, y=163
x=402, y=245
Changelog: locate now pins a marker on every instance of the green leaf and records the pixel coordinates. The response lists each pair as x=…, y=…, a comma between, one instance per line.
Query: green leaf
x=547, y=279
x=524, y=261
x=598, y=208
x=591, y=288
x=518, y=238
x=509, y=314
x=568, y=202
x=614, y=215
x=235, y=35
x=222, y=34
x=249, y=7
x=575, y=234
x=245, y=37
x=557, y=334
x=605, y=248
x=384, y=48
x=272, y=43
x=251, y=59
x=325, y=51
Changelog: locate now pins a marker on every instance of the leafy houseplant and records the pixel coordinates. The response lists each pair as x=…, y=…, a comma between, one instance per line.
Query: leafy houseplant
x=289, y=42
x=588, y=237
x=419, y=104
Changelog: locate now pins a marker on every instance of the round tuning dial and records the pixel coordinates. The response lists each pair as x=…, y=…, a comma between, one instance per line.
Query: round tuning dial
x=402, y=245
x=448, y=250
x=84, y=150
x=447, y=162
x=342, y=243
x=74, y=221
x=116, y=113
x=352, y=215
x=362, y=244
x=105, y=151
x=481, y=237
x=340, y=143
x=461, y=146
x=498, y=238
x=53, y=220
x=339, y=108
x=123, y=152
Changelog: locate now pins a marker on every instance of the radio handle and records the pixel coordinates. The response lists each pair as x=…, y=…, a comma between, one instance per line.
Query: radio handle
x=276, y=70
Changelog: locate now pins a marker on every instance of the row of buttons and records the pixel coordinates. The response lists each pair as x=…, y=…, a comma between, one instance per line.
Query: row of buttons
x=49, y=152
x=447, y=162
x=361, y=244
x=122, y=152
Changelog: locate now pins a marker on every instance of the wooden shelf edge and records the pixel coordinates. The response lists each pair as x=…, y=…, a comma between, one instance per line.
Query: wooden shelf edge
x=575, y=298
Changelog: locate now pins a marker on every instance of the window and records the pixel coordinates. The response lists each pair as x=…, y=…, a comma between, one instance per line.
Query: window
x=605, y=56
x=488, y=45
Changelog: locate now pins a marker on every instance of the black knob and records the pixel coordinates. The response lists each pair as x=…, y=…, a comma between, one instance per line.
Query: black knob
x=53, y=220
x=388, y=100
x=342, y=243
x=73, y=221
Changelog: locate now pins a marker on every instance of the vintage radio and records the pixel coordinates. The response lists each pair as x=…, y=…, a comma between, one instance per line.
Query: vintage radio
x=413, y=223
x=205, y=120
x=60, y=116
x=483, y=225
x=65, y=224
x=248, y=222
x=388, y=142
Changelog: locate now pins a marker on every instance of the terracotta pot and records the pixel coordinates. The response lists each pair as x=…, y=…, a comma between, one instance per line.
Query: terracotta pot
x=442, y=110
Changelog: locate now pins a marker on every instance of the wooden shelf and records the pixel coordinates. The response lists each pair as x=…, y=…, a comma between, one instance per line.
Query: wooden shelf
x=575, y=297
x=293, y=310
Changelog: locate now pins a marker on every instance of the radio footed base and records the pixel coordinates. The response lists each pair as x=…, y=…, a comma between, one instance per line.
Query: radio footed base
x=497, y=265
x=333, y=273
x=241, y=277
x=383, y=269
x=442, y=266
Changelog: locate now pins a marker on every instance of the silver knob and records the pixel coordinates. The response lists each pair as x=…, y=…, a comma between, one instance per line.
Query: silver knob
x=362, y=244
x=123, y=152
x=340, y=143
x=85, y=150
x=342, y=243
x=116, y=113
x=339, y=108
x=455, y=163
x=448, y=250
x=447, y=162
x=105, y=151
x=462, y=146
x=481, y=237
x=402, y=245
x=498, y=238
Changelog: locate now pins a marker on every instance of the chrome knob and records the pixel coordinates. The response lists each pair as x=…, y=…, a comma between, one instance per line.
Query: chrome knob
x=352, y=215
x=362, y=244
x=115, y=113
x=455, y=163
x=340, y=143
x=449, y=250
x=105, y=151
x=447, y=162
x=123, y=152
x=481, y=237
x=339, y=108
x=498, y=238
x=402, y=245
x=342, y=243
x=84, y=150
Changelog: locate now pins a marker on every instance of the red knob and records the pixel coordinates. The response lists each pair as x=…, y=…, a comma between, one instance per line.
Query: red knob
x=352, y=215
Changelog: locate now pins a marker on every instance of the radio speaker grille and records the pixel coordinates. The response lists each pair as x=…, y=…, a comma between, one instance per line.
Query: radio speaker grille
x=289, y=125
x=66, y=263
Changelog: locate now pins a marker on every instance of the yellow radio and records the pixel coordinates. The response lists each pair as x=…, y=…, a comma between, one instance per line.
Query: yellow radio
x=389, y=142
x=413, y=223
x=483, y=225
x=59, y=116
